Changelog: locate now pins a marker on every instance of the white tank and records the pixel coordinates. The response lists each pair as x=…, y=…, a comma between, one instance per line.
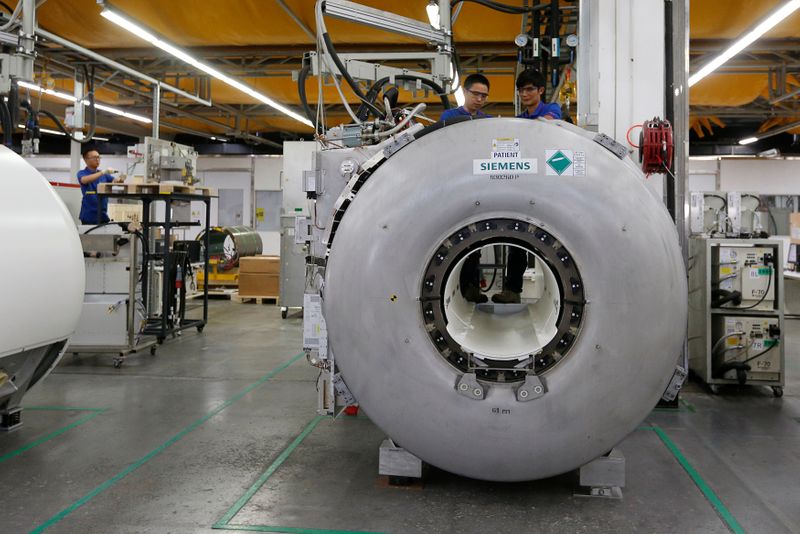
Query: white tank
x=43, y=279
x=514, y=392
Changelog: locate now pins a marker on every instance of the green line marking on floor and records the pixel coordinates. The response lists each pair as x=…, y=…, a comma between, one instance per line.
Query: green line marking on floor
x=94, y=413
x=689, y=406
x=223, y=523
x=709, y=494
x=238, y=505
x=161, y=448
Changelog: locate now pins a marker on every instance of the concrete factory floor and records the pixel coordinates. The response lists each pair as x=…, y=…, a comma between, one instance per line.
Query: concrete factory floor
x=218, y=431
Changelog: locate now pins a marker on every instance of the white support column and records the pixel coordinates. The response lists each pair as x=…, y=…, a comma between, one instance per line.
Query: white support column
x=621, y=66
x=156, y=109
x=75, y=148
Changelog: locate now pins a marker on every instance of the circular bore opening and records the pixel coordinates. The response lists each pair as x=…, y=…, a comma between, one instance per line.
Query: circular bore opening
x=502, y=331
x=502, y=339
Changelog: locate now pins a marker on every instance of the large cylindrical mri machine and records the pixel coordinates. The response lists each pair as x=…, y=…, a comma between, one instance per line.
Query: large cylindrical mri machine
x=512, y=392
x=43, y=281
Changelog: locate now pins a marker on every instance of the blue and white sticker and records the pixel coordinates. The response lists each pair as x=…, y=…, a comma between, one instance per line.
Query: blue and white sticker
x=505, y=166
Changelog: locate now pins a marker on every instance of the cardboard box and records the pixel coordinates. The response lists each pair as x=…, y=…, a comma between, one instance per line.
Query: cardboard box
x=259, y=285
x=260, y=264
x=794, y=227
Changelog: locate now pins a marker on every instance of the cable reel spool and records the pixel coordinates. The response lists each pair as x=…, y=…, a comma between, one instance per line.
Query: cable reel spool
x=656, y=146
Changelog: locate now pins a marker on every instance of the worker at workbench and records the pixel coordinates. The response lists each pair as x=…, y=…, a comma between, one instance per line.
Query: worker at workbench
x=90, y=177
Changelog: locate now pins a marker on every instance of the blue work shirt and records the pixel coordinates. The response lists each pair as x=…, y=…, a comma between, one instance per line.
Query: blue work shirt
x=88, y=213
x=554, y=110
x=460, y=112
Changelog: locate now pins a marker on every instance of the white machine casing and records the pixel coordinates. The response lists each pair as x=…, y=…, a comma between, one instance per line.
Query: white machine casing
x=44, y=278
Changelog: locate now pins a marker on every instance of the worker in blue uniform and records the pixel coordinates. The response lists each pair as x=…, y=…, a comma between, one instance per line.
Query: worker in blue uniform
x=89, y=178
x=476, y=94
x=530, y=87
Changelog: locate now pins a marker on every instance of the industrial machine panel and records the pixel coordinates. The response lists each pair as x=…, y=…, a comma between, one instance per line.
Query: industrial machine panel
x=747, y=340
x=747, y=270
x=103, y=321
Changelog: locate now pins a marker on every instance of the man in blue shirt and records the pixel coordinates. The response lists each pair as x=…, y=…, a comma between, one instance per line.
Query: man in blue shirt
x=530, y=86
x=89, y=178
x=476, y=93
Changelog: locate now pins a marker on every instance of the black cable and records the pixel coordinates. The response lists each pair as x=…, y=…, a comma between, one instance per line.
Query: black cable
x=441, y=124
x=769, y=285
x=374, y=90
x=7, y=125
x=504, y=8
x=301, y=90
x=753, y=196
x=4, y=5
x=763, y=352
x=92, y=112
x=93, y=228
x=346, y=75
x=774, y=222
x=723, y=199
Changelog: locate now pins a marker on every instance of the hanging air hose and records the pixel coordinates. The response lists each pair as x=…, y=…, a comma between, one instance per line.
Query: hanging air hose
x=92, y=112
x=364, y=111
x=5, y=122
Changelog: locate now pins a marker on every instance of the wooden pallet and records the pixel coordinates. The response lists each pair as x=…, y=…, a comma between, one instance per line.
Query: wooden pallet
x=155, y=188
x=214, y=293
x=205, y=191
x=241, y=299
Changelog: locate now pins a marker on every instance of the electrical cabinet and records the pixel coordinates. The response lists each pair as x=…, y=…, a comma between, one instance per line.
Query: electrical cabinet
x=736, y=312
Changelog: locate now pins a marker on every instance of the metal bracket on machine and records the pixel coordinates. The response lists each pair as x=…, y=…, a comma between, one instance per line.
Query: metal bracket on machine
x=342, y=390
x=531, y=389
x=469, y=386
x=675, y=384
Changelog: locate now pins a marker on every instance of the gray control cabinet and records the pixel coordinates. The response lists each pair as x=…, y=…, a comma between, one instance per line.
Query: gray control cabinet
x=736, y=312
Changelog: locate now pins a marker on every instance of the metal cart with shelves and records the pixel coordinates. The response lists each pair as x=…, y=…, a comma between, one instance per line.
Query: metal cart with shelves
x=161, y=321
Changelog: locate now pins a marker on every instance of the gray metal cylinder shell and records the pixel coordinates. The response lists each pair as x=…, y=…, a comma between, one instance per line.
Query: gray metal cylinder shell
x=623, y=242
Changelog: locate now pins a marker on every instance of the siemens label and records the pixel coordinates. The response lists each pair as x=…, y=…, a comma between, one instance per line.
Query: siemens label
x=501, y=165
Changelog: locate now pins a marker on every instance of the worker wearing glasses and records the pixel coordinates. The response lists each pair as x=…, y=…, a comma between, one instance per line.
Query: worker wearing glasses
x=476, y=94
x=89, y=178
x=530, y=86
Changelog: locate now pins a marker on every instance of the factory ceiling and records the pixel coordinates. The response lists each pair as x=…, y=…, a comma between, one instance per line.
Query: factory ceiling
x=262, y=43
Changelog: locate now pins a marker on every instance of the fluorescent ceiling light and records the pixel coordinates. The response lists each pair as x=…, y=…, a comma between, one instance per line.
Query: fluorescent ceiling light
x=743, y=42
x=433, y=14
x=70, y=98
x=57, y=94
x=59, y=132
x=45, y=130
x=770, y=133
x=142, y=33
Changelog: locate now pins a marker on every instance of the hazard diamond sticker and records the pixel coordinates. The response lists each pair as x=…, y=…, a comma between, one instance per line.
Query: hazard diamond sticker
x=563, y=162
